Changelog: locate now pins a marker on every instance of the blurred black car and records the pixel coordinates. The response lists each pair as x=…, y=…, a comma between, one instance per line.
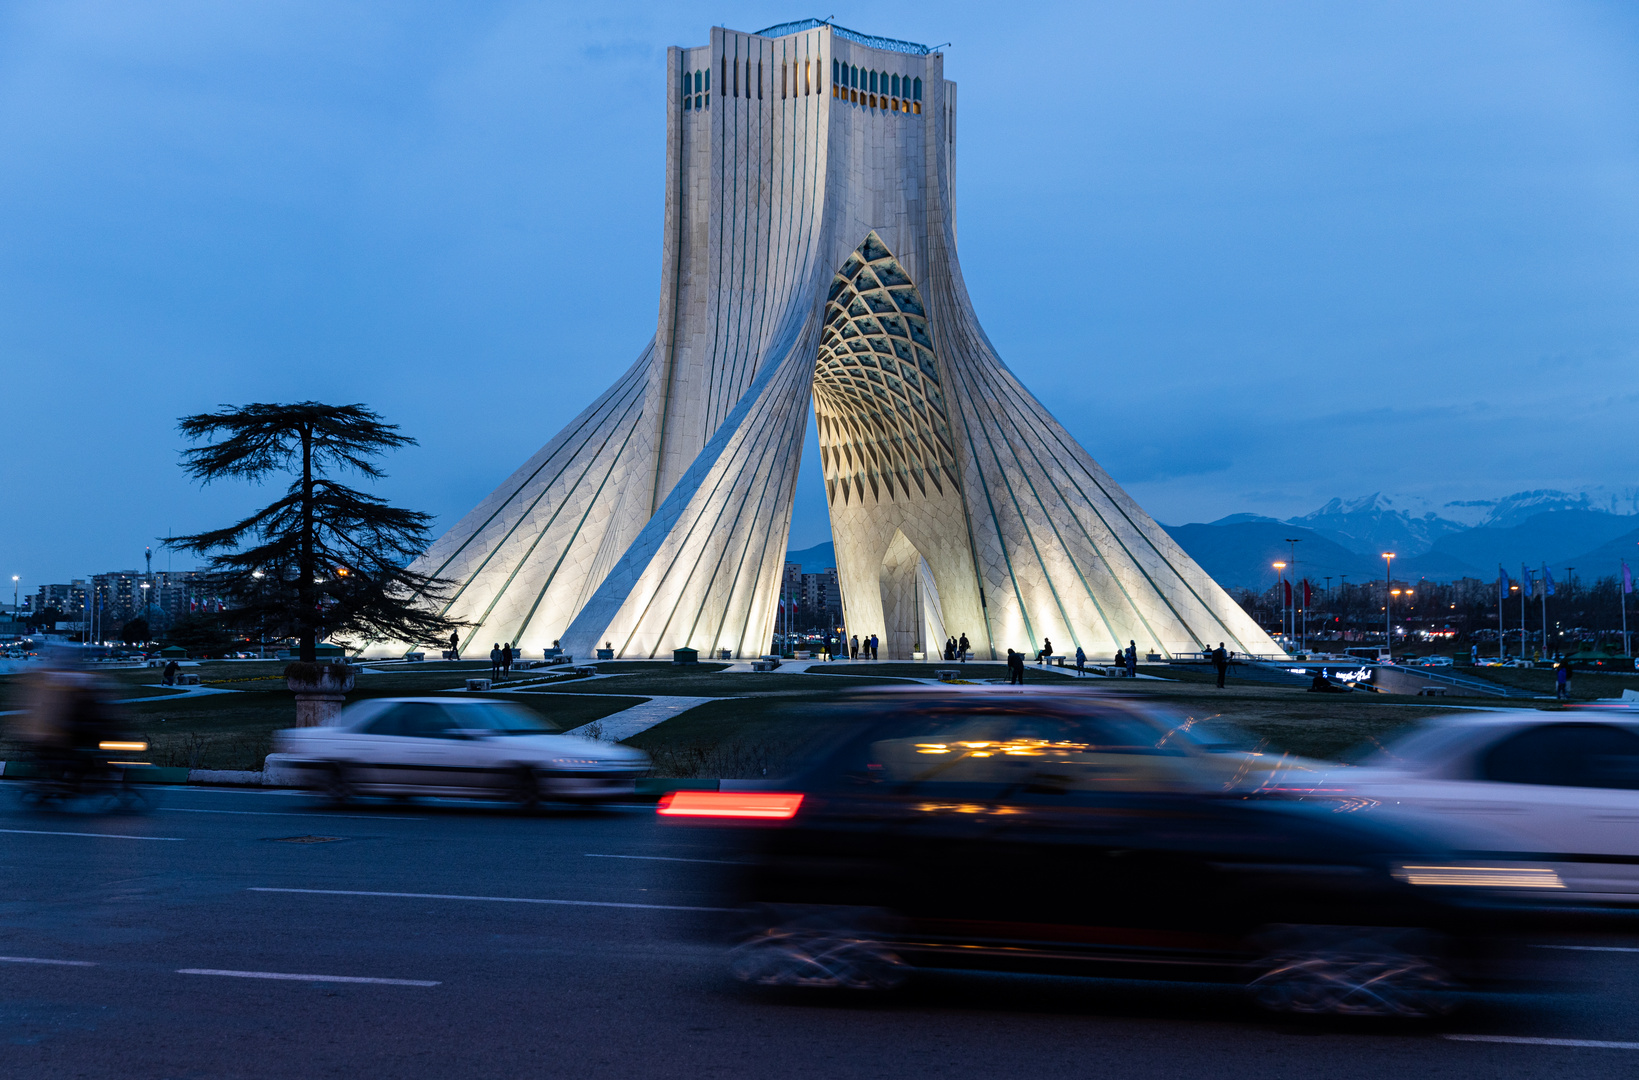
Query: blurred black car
x=1054, y=835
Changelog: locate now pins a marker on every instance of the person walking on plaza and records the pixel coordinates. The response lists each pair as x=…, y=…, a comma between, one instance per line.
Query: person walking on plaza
x=1132, y=659
x=853, y=647
x=495, y=662
x=1220, y=660
x=1081, y=662
x=455, y=645
x=506, y=660
x=962, y=648
x=1046, y=651
x=1015, y=668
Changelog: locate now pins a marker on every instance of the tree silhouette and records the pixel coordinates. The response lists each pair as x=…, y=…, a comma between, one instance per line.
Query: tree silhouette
x=325, y=559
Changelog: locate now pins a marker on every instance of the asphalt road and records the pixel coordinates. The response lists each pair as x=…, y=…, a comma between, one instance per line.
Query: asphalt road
x=200, y=941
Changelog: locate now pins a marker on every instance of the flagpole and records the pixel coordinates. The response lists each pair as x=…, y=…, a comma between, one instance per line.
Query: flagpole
x=1622, y=601
x=1502, y=591
x=1524, y=590
x=1545, y=580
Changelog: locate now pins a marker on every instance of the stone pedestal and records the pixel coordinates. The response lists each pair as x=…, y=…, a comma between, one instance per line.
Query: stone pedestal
x=320, y=689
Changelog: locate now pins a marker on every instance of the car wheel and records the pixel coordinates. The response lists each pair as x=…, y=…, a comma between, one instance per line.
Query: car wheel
x=526, y=788
x=338, y=785
x=1352, y=971
x=820, y=948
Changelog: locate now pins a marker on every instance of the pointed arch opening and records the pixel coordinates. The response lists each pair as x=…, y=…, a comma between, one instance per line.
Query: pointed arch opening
x=883, y=430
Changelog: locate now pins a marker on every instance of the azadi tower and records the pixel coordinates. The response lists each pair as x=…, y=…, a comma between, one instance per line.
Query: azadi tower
x=810, y=256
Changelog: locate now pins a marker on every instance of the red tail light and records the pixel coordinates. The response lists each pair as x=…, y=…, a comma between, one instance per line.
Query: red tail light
x=730, y=804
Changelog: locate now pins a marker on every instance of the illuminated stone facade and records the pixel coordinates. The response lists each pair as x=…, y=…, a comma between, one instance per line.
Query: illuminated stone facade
x=810, y=256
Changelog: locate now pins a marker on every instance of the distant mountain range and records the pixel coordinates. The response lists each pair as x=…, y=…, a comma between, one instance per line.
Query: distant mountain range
x=814, y=559
x=1348, y=538
x=1591, y=531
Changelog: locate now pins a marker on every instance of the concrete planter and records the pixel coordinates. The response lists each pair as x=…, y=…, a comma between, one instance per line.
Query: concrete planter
x=320, y=689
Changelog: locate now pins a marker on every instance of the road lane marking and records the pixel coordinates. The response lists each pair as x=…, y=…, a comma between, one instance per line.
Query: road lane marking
x=1522, y=1040
x=38, y=960
x=671, y=858
x=102, y=835
x=488, y=899
x=305, y=978
x=1589, y=948
x=286, y=813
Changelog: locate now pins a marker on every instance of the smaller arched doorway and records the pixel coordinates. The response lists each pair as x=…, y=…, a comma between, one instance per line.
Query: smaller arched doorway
x=913, y=620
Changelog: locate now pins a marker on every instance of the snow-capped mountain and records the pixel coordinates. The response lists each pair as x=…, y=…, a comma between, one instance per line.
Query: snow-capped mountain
x=1514, y=509
x=1375, y=523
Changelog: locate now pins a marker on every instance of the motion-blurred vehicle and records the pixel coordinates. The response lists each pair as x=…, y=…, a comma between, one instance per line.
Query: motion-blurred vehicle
x=1050, y=835
x=1434, y=661
x=77, y=743
x=462, y=748
x=1556, y=788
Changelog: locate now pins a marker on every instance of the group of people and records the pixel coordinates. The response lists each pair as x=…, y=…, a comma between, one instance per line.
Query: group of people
x=957, y=650
x=840, y=645
x=500, y=661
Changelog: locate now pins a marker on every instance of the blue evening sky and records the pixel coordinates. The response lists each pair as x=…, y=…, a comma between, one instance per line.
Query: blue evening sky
x=1252, y=255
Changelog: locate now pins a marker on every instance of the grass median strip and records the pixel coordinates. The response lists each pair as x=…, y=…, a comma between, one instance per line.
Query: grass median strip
x=487, y=899
x=287, y=977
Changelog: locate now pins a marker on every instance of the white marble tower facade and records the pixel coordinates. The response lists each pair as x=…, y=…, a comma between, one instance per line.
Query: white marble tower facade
x=809, y=256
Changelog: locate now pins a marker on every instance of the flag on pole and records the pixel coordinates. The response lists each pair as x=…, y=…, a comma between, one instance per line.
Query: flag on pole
x=1502, y=578
x=1548, y=578
x=1627, y=577
x=1307, y=593
x=1287, y=585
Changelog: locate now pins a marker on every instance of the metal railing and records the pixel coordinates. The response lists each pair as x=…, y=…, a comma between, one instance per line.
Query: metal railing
x=887, y=44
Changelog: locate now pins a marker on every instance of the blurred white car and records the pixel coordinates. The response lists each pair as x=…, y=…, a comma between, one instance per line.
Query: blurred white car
x=463, y=748
x=1559, y=789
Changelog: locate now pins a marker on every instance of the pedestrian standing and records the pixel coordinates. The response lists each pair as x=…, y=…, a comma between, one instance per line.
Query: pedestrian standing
x=962, y=648
x=495, y=662
x=1220, y=660
x=455, y=645
x=1132, y=659
x=873, y=647
x=1081, y=662
x=1562, y=679
x=506, y=660
x=853, y=647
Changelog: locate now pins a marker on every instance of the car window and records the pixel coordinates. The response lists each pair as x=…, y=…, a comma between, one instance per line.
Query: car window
x=1566, y=755
x=1008, y=749
x=386, y=724
x=422, y=720
x=499, y=718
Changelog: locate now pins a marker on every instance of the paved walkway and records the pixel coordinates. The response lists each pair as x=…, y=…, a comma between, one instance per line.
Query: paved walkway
x=628, y=722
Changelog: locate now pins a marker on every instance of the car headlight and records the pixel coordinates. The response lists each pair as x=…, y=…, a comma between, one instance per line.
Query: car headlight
x=1485, y=877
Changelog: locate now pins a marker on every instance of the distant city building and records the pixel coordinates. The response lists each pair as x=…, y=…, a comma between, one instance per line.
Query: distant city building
x=821, y=593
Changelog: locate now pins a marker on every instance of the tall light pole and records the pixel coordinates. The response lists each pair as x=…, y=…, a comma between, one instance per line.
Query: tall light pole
x=16, y=606
x=1280, y=581
x=1388, y=603
x=1294, y=542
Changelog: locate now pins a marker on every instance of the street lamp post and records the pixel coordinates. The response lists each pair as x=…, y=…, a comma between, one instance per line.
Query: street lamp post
x=1294, y=542
x=1280, y=582
x=1388, y=603
x=16, y=605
